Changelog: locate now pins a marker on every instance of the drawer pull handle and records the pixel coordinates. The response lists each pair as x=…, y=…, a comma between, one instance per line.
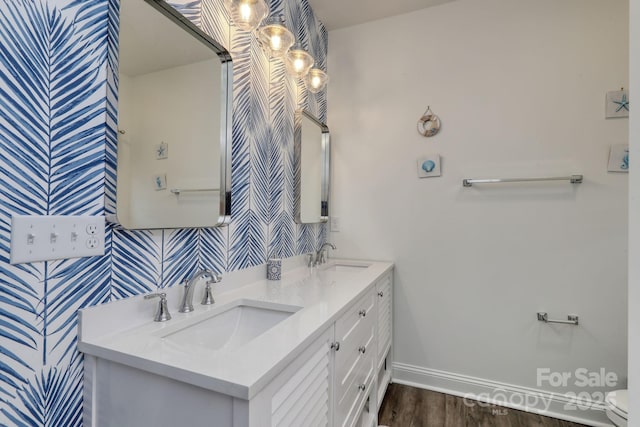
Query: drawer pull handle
x=335, y=346
x=362, y=349
x=362, y=387
x=380, y=294
x=362, y=313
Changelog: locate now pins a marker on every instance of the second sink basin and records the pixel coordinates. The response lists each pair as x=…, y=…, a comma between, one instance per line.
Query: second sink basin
x=349, y=266
x=233, y=326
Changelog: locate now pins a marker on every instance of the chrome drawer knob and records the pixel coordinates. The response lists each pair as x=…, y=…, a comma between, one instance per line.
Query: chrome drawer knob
x=362, y=313
x=380, y=294
x=362, y=349
x=362, y=387
x=335, y=346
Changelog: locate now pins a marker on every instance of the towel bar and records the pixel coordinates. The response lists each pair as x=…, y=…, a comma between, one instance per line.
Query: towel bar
x=572, y=319
x=190, y=190
x=574, y=179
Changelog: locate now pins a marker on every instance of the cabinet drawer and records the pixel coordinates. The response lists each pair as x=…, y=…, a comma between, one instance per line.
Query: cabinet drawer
x=359, y=317
x=348, y=408
x=350, y=360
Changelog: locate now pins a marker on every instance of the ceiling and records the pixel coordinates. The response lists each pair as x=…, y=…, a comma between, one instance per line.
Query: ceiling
x=337, y=14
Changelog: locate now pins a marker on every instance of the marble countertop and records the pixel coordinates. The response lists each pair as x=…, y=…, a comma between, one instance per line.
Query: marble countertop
x=124, y=331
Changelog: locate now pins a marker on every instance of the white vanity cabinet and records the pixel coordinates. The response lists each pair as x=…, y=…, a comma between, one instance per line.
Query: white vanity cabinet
x=326, y=365
x=353, y=355
x=345, y=356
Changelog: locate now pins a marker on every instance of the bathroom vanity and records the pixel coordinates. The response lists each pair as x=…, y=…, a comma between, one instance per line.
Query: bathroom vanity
x=313, y=349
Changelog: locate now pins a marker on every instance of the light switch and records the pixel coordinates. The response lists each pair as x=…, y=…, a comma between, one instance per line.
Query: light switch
x=334, y=224
x=48, y=237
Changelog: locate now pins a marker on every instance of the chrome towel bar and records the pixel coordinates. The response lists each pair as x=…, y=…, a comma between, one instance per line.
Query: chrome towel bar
x=191, y=190
x=574, y=179
x=572, y=319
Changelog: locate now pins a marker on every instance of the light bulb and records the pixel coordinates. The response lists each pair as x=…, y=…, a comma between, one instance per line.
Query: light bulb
x=245, y=12
x=276, y=42
x=298, y=64
x=315, y=82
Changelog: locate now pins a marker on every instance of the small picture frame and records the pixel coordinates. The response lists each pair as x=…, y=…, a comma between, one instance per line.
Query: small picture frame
x=619, y=158
x=617, y=104
x=162, y=151
x=160, y=182
x=429, y=166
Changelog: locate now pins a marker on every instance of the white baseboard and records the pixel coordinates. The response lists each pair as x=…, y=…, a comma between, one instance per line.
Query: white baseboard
x=476, y=390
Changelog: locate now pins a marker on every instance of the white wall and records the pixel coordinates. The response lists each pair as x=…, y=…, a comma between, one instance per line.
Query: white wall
x=634, y=219
x=520, y=89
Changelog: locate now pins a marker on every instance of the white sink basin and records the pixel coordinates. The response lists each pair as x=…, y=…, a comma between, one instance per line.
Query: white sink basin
x=344, y=267
x=232, y=326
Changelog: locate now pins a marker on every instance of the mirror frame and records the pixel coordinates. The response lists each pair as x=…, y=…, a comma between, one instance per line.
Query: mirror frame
x=226, y=95
x=325, y=179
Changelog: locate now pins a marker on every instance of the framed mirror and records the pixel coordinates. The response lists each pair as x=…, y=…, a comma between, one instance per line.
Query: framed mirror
x=174, y=121
x=313, y=156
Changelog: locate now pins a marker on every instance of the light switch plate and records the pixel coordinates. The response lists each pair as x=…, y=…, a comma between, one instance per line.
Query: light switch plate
x=49, y=237
x=334, y=224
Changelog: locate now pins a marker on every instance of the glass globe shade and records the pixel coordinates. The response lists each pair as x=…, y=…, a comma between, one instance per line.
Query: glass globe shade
x=247, y=14
x=275, y=38
x=316, y=80
x=298, y=62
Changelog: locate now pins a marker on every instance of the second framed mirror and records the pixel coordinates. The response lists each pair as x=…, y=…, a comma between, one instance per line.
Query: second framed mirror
x=313, y=157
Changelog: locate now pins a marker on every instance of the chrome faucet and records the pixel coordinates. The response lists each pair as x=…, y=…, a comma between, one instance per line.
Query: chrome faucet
x=321, y=256
x=186, y=305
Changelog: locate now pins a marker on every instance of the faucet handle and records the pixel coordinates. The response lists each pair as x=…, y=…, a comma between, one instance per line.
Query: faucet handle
x=311, y=260
x=207, y=298
x=162, y=313
x=323, y=256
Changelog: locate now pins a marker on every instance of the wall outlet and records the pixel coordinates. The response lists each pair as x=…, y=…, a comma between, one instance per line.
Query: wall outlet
x=48, y=237
x=334, y=224
x=92, y=243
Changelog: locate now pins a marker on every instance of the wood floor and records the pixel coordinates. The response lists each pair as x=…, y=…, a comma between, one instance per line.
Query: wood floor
x=405, y=406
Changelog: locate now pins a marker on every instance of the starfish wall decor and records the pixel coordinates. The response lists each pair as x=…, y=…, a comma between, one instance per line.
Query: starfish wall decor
x=617, y=104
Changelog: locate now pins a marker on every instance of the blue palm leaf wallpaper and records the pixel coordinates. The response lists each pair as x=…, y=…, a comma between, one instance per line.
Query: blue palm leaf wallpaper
x=136, y=257
x=213, y=248
x=51, y=398
x=58, y=141
x=180, y=254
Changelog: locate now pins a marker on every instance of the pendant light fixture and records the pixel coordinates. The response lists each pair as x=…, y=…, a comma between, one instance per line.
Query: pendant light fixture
x=274, y=37
x=247, y=14
x=316, y=80
x=298, y=62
